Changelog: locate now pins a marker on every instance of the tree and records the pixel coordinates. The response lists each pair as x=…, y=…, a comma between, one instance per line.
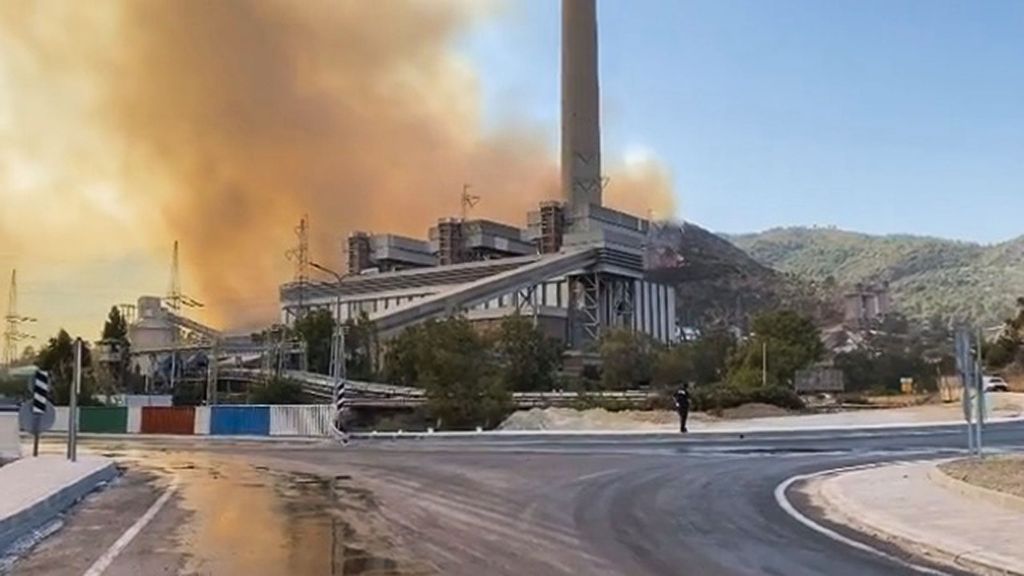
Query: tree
x=627, y=359
x=792, y=342
x=527, y=357
x=361, y=348
x=701, y=361
x=278, y=391
x=115, y=328
x=316, y=329
x=456, y=367
x=115, y=337
x=403, y=353
x=58, y=358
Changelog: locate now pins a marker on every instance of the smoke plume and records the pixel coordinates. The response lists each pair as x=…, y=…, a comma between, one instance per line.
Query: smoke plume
x=221, y=123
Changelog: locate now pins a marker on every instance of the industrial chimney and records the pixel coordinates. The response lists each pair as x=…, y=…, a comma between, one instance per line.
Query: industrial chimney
x=581, y=125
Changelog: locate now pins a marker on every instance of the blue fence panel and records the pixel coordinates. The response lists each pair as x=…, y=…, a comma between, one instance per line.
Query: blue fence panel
x=240, y=420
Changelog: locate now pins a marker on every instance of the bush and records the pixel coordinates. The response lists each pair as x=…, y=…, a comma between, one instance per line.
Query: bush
x=278, y=391
x=720, y=397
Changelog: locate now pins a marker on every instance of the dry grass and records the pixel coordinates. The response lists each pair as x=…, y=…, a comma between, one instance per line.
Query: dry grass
x=1002, y=473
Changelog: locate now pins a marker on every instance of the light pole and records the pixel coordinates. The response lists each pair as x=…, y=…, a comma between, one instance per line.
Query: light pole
x=337, y=351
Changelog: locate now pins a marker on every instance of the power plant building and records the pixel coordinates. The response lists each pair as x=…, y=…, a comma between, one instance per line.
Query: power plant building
x=578, y=268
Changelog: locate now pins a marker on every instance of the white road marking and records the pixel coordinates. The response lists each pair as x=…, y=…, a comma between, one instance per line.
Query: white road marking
x=108, y=557
x=787, y=506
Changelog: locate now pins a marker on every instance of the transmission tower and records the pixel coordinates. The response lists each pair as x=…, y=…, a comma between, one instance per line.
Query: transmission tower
x=175, y=299
x=175, y=302
x=468, y=201
x=12, y=324
x=300, y=256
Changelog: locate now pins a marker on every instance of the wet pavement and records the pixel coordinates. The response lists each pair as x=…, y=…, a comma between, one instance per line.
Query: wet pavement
x=228, y=516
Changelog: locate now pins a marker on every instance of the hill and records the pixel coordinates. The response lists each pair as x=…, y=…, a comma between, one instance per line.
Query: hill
x=928, y=276
x=719, y=285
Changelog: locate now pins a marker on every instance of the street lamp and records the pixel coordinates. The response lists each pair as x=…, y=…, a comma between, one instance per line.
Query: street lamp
x=337, y=368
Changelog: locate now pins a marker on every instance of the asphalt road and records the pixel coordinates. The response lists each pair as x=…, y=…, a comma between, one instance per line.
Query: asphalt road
x=635, y=505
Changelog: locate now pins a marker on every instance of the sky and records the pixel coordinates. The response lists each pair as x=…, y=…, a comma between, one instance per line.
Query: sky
x=879, y=116
x=895, y=116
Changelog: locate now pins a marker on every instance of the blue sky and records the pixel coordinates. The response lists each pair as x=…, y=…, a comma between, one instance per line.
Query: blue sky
x=876, y=116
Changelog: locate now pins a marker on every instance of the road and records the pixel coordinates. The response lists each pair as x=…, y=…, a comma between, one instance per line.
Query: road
x=636, y=505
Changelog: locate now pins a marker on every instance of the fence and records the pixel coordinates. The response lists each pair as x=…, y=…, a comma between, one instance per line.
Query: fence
x=292, y=420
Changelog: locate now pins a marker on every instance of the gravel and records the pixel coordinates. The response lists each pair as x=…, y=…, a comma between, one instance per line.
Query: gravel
x=1002, y=473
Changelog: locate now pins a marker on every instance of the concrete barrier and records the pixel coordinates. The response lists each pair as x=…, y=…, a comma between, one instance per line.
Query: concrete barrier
x=134, y=425
x=168, y=420
x=314, y=420
x=37, y=490
x=201, y=425
x=60, y=422
x=106, y=419
x=10, y=440
x=240, y=420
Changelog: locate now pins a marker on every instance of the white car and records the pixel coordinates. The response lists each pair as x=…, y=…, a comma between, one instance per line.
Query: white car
x=996, y=384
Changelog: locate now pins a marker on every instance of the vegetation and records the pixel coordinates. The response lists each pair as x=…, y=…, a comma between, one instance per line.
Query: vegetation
x=115, y=334
x=316, y=329
x=58, y=358
x=627, y=359
x=1008, y=348
x=792, y=342
x=528, y=359
x=928, y=276
x=461, y=370
x=278, y=391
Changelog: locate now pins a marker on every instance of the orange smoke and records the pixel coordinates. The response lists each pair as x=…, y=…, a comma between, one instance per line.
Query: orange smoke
x=232, y=119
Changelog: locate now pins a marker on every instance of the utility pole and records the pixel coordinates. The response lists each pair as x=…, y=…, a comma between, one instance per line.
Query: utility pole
x=764, y=363
x=12, y=324
x=338, y=372
x=76, y=387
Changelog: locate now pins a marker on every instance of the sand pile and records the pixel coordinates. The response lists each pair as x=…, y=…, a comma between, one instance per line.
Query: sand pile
x=592, y=419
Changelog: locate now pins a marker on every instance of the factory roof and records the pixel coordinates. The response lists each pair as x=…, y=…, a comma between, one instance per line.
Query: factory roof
x=414, y=278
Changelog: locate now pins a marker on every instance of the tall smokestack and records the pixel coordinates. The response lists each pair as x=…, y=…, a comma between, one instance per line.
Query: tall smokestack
x=581, y=124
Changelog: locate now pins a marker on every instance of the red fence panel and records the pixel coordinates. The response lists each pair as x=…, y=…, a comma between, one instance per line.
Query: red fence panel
x=168, y=420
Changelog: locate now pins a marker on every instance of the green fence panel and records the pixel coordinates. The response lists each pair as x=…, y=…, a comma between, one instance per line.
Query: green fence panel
x=109, y=419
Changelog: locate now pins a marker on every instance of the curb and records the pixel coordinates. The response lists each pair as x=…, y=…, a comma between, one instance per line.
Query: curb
x=968, y=490
x=40, y=513
x=866, y=522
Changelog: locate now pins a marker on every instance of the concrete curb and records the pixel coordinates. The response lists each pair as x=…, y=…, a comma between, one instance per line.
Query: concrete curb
x=876, y=525
x=968, y=490
x=41, y=512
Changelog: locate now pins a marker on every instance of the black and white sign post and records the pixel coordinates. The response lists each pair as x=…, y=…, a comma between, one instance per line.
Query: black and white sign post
x=40, y=401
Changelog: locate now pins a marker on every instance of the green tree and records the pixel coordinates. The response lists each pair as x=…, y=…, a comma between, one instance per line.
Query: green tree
x=528, y=358
x=278, y=391
x=627, y=359
x=115, y=338
x=115, y=328
x=458, y=370
x=316, y=329
x=361, y=348
x=792, y=342
x=403, y=353
x=58, y=358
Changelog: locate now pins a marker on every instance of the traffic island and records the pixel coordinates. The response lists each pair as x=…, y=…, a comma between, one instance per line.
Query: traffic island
x=35, y=491
x=915, y=507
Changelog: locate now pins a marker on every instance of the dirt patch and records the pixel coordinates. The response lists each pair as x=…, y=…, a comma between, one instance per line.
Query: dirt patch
x=1001, y=473
x=754, y=410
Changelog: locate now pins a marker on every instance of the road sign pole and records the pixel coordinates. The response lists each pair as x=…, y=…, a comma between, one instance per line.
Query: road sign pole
x=35, y=435
x=73, y=404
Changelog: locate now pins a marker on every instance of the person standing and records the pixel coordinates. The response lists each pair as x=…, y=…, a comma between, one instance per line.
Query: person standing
x=682, y=400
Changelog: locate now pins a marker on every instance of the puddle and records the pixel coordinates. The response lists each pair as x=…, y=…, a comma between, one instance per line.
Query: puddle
x=253, y=521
